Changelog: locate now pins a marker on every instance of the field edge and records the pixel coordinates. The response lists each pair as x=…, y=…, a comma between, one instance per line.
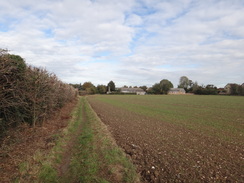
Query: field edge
x=93, y=156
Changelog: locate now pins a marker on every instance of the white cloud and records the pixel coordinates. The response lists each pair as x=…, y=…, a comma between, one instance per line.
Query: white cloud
x=134, y=20
x=132, y=42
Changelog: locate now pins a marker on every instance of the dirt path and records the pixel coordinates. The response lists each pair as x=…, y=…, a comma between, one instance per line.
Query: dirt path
x=69, y=148
x=165, y=152
x=90, y=155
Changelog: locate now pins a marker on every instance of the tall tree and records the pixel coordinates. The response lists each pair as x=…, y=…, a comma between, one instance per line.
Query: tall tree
x=165, y=86
x=234, y=89
x=156, y=89
x=194, y=87
x=161, y=88
x=184, y=82
x=111, y=86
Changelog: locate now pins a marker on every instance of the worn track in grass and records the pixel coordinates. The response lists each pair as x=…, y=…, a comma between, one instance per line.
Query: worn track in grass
x=169, y=152
x=90, y=154
x=69, y=149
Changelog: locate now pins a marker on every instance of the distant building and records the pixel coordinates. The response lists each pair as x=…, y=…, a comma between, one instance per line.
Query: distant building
x=109, y=91
x=221, y=91
x=137, y=91
x=177, y=91
x=234, y=89
x=229, y=87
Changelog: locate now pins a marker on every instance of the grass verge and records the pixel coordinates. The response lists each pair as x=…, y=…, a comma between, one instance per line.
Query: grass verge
x=97, y=157
x=94, y=156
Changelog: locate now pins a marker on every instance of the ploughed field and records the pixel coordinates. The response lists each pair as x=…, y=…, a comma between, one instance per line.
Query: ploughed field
x=178, y=138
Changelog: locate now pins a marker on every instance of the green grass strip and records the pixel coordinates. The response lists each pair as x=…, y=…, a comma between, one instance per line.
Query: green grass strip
x=95, y=156
x=98, y=158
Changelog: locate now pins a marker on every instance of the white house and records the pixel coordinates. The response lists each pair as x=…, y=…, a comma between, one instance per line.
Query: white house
x=137, y=91
x=177, y=91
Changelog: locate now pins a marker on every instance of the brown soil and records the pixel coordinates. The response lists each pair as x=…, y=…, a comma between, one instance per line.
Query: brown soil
x=21, y=143
x=164, y=152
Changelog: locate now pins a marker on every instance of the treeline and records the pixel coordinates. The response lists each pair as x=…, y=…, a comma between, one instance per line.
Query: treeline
x=89, y=88
x=28, y=94
x=163, y=87
x=235, y=89
x=193, y=87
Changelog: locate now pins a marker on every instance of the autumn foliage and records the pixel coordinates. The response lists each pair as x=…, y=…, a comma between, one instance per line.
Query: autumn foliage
x=28, y=94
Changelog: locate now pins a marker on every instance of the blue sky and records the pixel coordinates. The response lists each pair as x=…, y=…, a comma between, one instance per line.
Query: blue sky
x=132, y=42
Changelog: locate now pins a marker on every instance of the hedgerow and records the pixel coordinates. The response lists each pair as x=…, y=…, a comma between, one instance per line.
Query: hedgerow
x=28, y=94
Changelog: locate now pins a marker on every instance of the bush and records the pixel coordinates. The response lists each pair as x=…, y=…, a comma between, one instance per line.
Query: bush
x=12, y=74
x=29, y=94
x=208, y=90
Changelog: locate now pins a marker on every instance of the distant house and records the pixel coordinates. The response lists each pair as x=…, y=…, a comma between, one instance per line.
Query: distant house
x=229, y=87
x=137, y=91
x=177, y=91
x=221, y=91
x=234, y=89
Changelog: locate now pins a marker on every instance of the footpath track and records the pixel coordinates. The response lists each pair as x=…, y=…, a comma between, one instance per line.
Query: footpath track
x=90, y=154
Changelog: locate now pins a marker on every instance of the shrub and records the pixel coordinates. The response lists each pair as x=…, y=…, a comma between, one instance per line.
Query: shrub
x=29, y=94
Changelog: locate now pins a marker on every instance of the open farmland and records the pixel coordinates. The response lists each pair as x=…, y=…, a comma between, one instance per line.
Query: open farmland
x=178, y=138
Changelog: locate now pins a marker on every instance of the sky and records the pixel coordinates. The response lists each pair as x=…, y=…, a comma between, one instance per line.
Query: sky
x=131, y=42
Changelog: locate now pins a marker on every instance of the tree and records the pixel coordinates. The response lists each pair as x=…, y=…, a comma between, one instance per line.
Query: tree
x=101, y=89
x=194, y=87
x=242, y=89
x=87, y=85
x=211, y=89
x=165, y=86
x=162, y=88
x=89, y=88
x=143, y=87
x=205, y=90
x=234, y=89
x=184, y=83
x=156, y=89
x=191, y=83
x=111, y=86
x=150, y=90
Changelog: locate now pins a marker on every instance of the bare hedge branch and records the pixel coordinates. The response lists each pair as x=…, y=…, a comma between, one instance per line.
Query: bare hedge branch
x=29, y=94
